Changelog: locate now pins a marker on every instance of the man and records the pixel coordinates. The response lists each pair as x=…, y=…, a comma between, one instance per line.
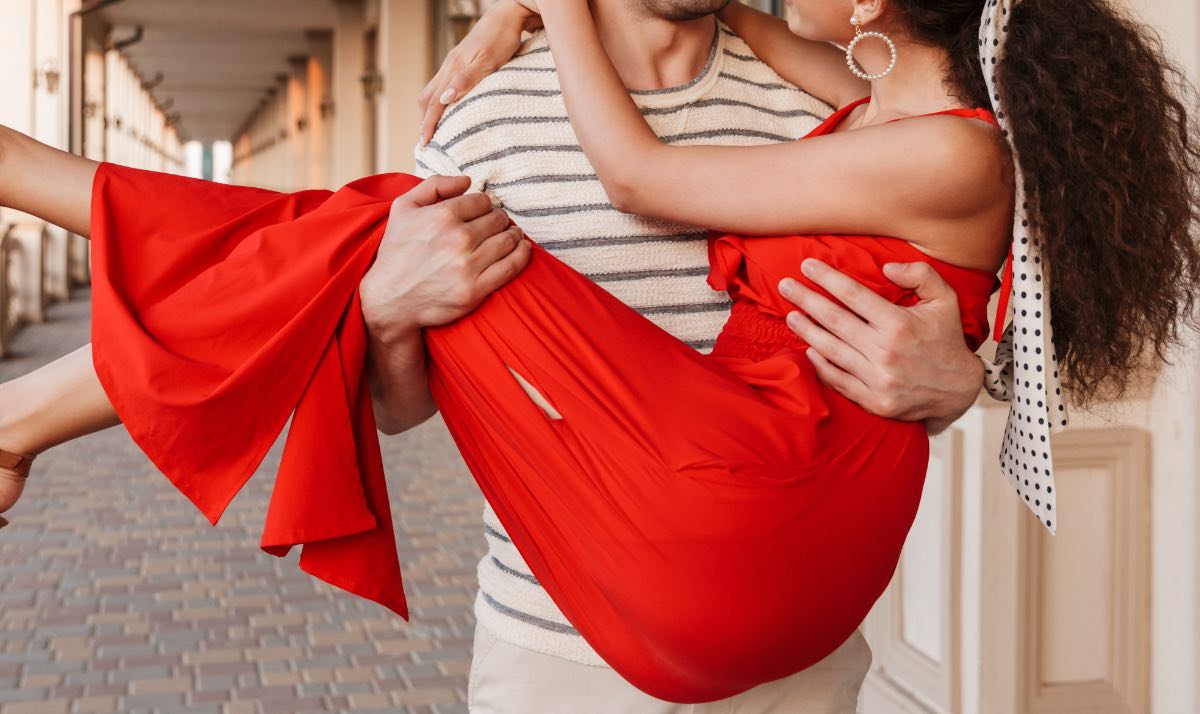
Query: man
x=696, y=82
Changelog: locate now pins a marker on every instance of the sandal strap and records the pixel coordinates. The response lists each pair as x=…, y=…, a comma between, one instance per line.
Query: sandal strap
x=19, y=463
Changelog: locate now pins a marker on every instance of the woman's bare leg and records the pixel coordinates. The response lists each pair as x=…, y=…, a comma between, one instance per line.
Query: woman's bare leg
x=49, y=406
x=64, y=399
x=43, y=181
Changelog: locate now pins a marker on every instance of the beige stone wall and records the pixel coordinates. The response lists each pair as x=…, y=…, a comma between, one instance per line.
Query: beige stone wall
x=348, y=107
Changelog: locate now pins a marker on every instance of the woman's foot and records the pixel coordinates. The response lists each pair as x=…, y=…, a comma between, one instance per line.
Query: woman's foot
x=16, y=450
x=47, y=407
x=14, y=472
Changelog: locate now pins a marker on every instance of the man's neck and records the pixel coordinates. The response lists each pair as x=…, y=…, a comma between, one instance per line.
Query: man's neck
x=650, y=52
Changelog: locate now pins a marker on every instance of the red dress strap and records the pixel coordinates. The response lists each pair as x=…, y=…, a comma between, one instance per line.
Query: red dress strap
x=1005, y=297
x=836, y=118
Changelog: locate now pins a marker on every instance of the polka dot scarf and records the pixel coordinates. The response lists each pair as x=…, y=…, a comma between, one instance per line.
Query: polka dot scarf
x=1025, y=369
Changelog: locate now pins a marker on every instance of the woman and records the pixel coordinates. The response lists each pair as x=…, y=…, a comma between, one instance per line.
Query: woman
x=656, y=468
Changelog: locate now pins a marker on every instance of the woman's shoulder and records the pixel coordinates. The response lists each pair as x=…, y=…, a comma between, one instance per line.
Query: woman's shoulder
x=970, y=183
x=948, y=183
x=964, y=152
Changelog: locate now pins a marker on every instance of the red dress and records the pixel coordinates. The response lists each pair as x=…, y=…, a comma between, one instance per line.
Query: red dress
x=707, y=522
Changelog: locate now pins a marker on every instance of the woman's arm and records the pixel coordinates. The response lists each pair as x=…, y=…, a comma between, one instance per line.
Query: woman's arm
x=904, y=179
x=818, y=68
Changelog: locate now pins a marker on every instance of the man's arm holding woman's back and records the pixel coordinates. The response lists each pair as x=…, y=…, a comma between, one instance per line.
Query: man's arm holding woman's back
x=444, y=251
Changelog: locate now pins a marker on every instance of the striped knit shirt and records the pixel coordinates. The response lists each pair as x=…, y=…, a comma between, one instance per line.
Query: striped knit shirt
x=511, y=135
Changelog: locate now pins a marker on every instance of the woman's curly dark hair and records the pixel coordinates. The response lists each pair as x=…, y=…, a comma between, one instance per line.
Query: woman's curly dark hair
x=1103, y=127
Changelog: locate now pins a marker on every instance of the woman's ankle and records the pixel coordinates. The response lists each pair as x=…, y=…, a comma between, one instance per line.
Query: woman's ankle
x=16, y=435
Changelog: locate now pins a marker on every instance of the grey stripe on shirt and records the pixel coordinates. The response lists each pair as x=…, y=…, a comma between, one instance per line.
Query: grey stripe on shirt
x=546, y=178
x=760, y=85
x=528, y=577
x=503, y=121
x=721, y=102
x=526, y=617
x=514, y=150
x=736, y=56
x=558, y=210
x=643, y=274
x=684, y=309
x=497, y=93
x=724, y=133
x=495, y=533
x=606, y=241
x=523, y=69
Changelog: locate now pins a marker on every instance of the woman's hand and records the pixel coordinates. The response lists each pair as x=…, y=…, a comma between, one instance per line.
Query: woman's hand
x=493, y=41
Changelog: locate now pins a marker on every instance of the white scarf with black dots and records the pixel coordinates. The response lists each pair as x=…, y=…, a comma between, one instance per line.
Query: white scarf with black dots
x=1025, y=370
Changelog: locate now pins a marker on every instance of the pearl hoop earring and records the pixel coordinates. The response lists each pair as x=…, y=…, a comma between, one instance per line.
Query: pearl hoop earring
x=858, y=37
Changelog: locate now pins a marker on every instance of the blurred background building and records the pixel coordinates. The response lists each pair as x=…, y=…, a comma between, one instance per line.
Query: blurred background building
x=986, y=614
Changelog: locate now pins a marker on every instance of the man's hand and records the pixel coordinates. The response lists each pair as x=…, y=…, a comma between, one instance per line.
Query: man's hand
x=903, y=363
x=443, y=252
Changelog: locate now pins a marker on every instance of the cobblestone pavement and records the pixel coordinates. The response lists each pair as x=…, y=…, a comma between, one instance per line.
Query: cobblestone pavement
x=117, y=596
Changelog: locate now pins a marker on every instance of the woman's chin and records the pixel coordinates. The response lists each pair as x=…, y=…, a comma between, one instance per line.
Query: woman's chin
x=800, y=28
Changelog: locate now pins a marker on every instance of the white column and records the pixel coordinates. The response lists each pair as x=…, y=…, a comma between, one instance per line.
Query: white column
x=18, y=35
x=50, y=68
x=349, y=113
x=50, y=126
x=298, y=123
x=406, y=62
x=95, y=91
x=112, y=101
x=320, y=108
x=17, y=32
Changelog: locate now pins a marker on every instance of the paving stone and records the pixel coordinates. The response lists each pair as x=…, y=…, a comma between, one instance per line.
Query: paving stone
x=94, y=705
x=25, y=694
x=120, y=597
x=45, y=706
x=153, y=702
x=161, y=686
x=352, y=687
x=424, y=695
x=48, y=680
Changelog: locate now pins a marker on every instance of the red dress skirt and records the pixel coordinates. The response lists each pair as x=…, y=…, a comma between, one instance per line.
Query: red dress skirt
x=707, y=522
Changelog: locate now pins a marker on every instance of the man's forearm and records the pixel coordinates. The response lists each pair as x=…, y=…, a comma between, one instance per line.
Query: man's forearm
x=398, y=378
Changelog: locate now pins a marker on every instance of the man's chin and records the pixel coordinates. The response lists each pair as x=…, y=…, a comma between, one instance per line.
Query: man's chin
x=685, y=10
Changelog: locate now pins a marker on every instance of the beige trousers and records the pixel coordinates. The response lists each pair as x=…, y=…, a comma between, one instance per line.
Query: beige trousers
x=508, y=679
